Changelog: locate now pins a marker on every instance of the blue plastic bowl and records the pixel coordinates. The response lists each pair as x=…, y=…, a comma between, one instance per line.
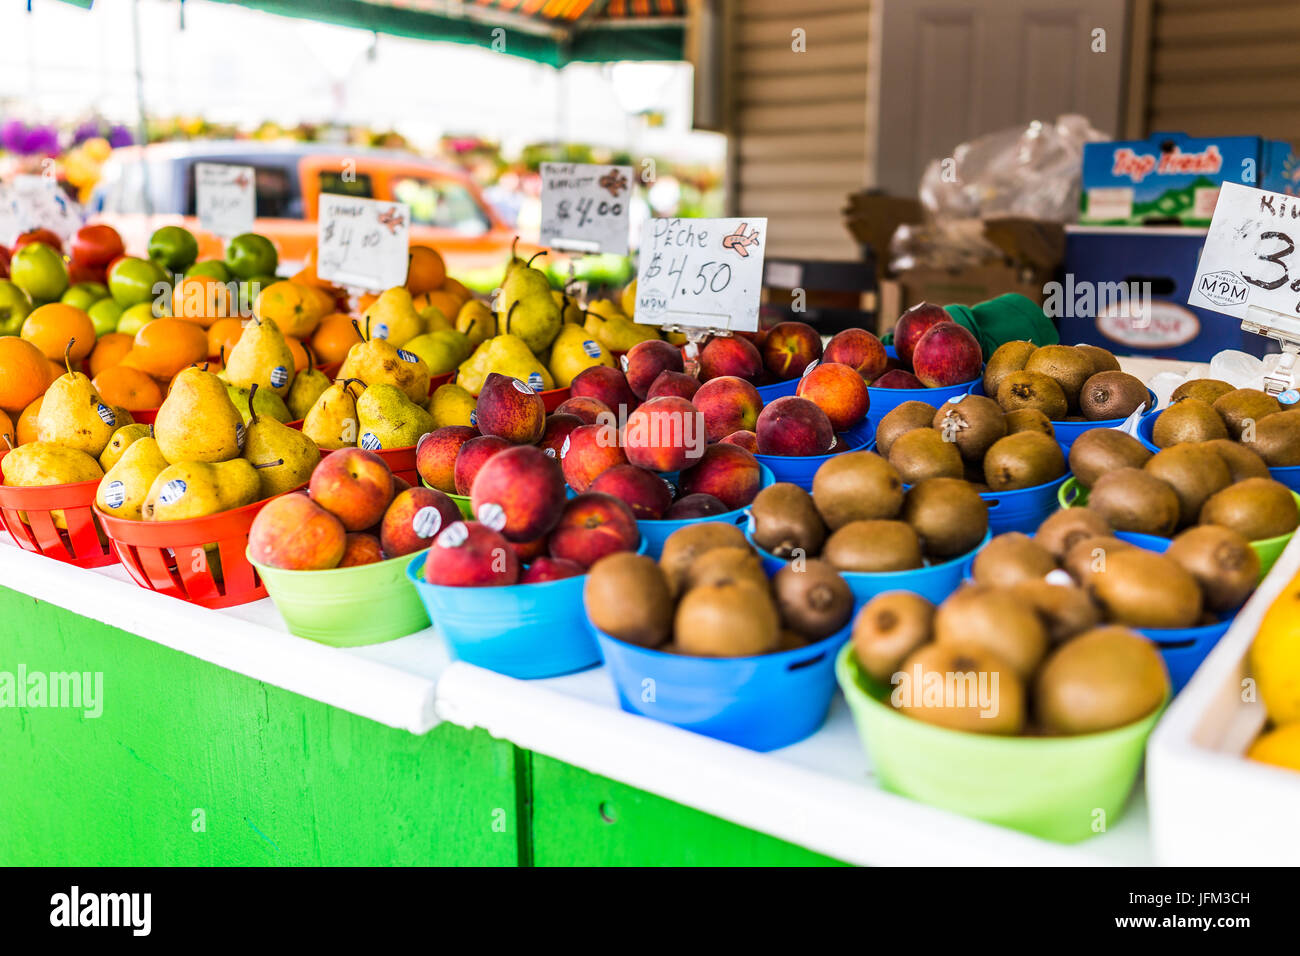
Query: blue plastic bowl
x=1067, y=432
x=770, y=393
x=800, y=469
x=654, y=532
x=761, y=702
x=521, y=630
x=1023, y=509
x=1146, y=428
x=885, y=400
x=934, y=582
x=1288, y=475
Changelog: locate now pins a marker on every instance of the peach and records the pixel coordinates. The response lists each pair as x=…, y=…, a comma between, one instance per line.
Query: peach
x=897, y=378
x=529, y=551
x=510, y=409
x=295, y=533
x=414, y=519
x=589, y=451
x=837, y=390
x=583, y=406
x=697, y=505
x=674, y=383
x=859, y=350
x=794, y=426
x=551, y=569
x=354, y=485
x=730, y=355
x=728, y=404
x=727, y=472
x=361, y=548
x=435, y=455
x=665, y=434
x=913, y=324
x=606, y=385
x=559, y=425
x=467, y=554
x=947, y=354
x=790, y=347
x=745, y=439
x=643, y=491
x=646, y=360
x=472, y=456
x=519, y=492
x=591, y=526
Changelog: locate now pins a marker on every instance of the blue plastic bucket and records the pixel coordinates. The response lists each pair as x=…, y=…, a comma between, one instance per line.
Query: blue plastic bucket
x=800, y=469
x=1288, y=475
x=1067, y=432
x=1023, y=509
x=654, y=532
x=770, y=393
x=885, y=400
x=761, y=702
x=520, y=630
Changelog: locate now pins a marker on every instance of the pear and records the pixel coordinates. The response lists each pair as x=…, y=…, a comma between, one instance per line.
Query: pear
x=308, y=385
x=627, y=300
x=618, y=333
x=474, y=370
x=393, y=317
x=476, y=320
x=197, y=420
x=45, y=463
x=441, y=351
x=376, y=360
x=264, y=401
x=452, y=405
x=388, y=419
x=122, y=439
x=515, y=261
x=261, y=356
x=510, y=355
x=195, y=489
x=606, y=309
x=434, y=321
x=570, y=311
x=527, y=309
x=284, y=457
x=574, y=351
x=73, y=414
x=332, y=422
x=125, y=486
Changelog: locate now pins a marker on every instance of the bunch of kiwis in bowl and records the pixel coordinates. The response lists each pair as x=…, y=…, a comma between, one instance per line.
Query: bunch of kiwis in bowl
x=859, y=518
x=1066, y=383
x=708, y=596
x=1208, y=411
x=970, y=437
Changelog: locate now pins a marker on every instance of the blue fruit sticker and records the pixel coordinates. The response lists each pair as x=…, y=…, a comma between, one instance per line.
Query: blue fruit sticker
x=535, y=381
x=591, y=348
x=279, y=377
x=1289, y=397
x=172, y=492
x=115, y=494
x=371, y=442
x=406, y=356
x=380, y=331
x=107, y=415
x=473, y=417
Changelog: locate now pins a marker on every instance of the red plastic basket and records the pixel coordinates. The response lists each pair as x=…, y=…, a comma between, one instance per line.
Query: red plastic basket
x=172, y=557
x=435, y=381
x=553, y=398
x=27, y=514
x=401, y=462
x=145, y=416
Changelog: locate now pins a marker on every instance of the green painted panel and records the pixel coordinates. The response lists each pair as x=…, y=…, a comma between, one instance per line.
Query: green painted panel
x=580, y=819
x=190, y=764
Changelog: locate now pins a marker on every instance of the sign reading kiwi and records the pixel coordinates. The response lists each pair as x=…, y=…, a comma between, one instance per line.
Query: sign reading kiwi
x=701, y=273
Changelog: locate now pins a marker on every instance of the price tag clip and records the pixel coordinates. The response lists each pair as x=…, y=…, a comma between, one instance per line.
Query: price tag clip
x=1283, y=329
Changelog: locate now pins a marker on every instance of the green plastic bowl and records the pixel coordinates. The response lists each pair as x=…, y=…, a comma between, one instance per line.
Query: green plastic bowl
x=348, y=607
x=1074, y=495
x=1057, y=788
x=462, y=502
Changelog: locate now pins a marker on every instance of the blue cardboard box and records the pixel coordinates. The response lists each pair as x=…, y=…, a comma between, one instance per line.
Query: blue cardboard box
x=1125, y=289
x=1172, y=178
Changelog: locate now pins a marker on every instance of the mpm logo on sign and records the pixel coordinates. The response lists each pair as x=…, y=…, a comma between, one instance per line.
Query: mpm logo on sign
x=1223, y=288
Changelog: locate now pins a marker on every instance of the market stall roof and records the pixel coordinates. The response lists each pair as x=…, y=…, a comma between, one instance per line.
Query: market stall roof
x=547, y=31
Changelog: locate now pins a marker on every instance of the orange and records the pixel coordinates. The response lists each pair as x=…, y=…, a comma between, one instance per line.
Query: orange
x=334, y=336
x=109, y=350
x=366, y=301
x=165, y=346
x=128, y=387
x=26, y=426
x=224, y=333
x=441, y=300
x=299, y=353
x=24, y=373
x=295, y=309
x=202, y=300
x=425, y=270
x=1279, y=747
x=52, y=326
x=323, y=298
x=7, y=430
x=458, y=290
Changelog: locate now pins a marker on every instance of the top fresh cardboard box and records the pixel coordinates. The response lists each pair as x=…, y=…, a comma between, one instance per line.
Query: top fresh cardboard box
x=1172, y=179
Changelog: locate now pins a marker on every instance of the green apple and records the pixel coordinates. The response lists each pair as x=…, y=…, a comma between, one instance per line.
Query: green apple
x=213, y=268
x=132, y=281
x=39, y=271
x=251, y=255
x=104, y=315
x=135, y=318
x=174, y=248
x=84, y=294
x=14, y=306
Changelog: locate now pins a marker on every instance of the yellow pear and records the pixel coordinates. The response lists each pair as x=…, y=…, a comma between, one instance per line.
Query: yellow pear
x=393, y=317
x=574, y=351
x=627, y=300
x=377, y=361
x=442, y=350
x=283, y=457
x=476, y=320
x=332, y=422
x=388, y=419
x=197, y=420
x=261, y=357
x=451, y=405
x=73, y=413
x=122, y=439
x=123, y=489
x=44, y=463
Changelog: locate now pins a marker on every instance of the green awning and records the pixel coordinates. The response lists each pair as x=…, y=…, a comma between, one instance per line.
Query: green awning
x=547, y=31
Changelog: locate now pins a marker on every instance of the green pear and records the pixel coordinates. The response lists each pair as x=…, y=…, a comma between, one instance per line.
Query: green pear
x=332, y=422
x=197, y=420
x=573, y=351
x=261, y=356
x=527, y=308
x=263, y=400
x=476, y=320
x=511, y=356
x=125, y=486
x=73, y=413
x=442, y=351
x=283, y=457
x=388, y=419
x=122, y=439
x=377, y=361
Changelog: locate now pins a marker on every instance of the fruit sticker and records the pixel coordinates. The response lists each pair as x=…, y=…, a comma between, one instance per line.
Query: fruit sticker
x=106, y=414
x=491, y=515
x=535, y=381
x=115, y=494
x=811, y=365
x=371, y=442
x=426, y=522
x=564, y=449
x=239, y=435
x=591, y=348
x=473, y=417
x=622, y=362
x=279, y=377
x=521, y=387
x=406, y=356
x=172, y=492
x=380, y=331
x=453, y=536
x=1289, y=397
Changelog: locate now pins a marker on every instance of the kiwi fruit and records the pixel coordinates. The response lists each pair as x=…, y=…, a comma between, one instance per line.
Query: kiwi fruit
x=685, y=544
x=1244, y=406
x=856, y=486
x=1065, y=609
x=1023, y=460
x=1001, y=712
x=1066, y=365
x=1194, y=472
x=922, y=453
x=1242, y=462
x=813, y=599
x=783, y=520
x=996, y=620
x=1191, y=420
x=790, y=640
x=1027, y=389
x=902, y=418
x=1011, y=558
x=873, y=546
x=1207, y=390
x=1144, y=589
x=1088, y=556
x=1006, y=358
x=1105, y=678
x=948, y=514
x=1102, y=359
x=1276, y=439
x=626, y=596
x=1100, y=450
x=972, y=423
x=1061, y=529
x=1131, y=499
x=726, y=620
x=1029, y=420
x=1108, y=395
x=1257, y=508
x=729, y=565
x=1222, y=561
x=888, y=628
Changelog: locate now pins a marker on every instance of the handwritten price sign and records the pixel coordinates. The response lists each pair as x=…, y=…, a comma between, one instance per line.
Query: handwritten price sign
x=701, y=273
x=362, y=242
x=38, y=202
x=1251, y=255
x=225, y=197
x=585, y=207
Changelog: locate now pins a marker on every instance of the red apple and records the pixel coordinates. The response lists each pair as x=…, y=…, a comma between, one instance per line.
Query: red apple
x=295, y=533
x=665, y=434
x=510, y=409
x=592, y=526
x=645, y=360
x=947, y=355
x=860, y=350
x=354, y=485
x=606, y=385
x=436, y=452
x=96, y=246
x=837, y=390
x=643, y=491
x=414, y=519
x=897, y=378
x=468, y=554
x=794, y=426
x=551, y=569
x=730, y=355
x=727, y=472
x=913, y=324
x=472, y=456
x=519, y=492
x=677, y=384
x=789, y=348
x=590, y=451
